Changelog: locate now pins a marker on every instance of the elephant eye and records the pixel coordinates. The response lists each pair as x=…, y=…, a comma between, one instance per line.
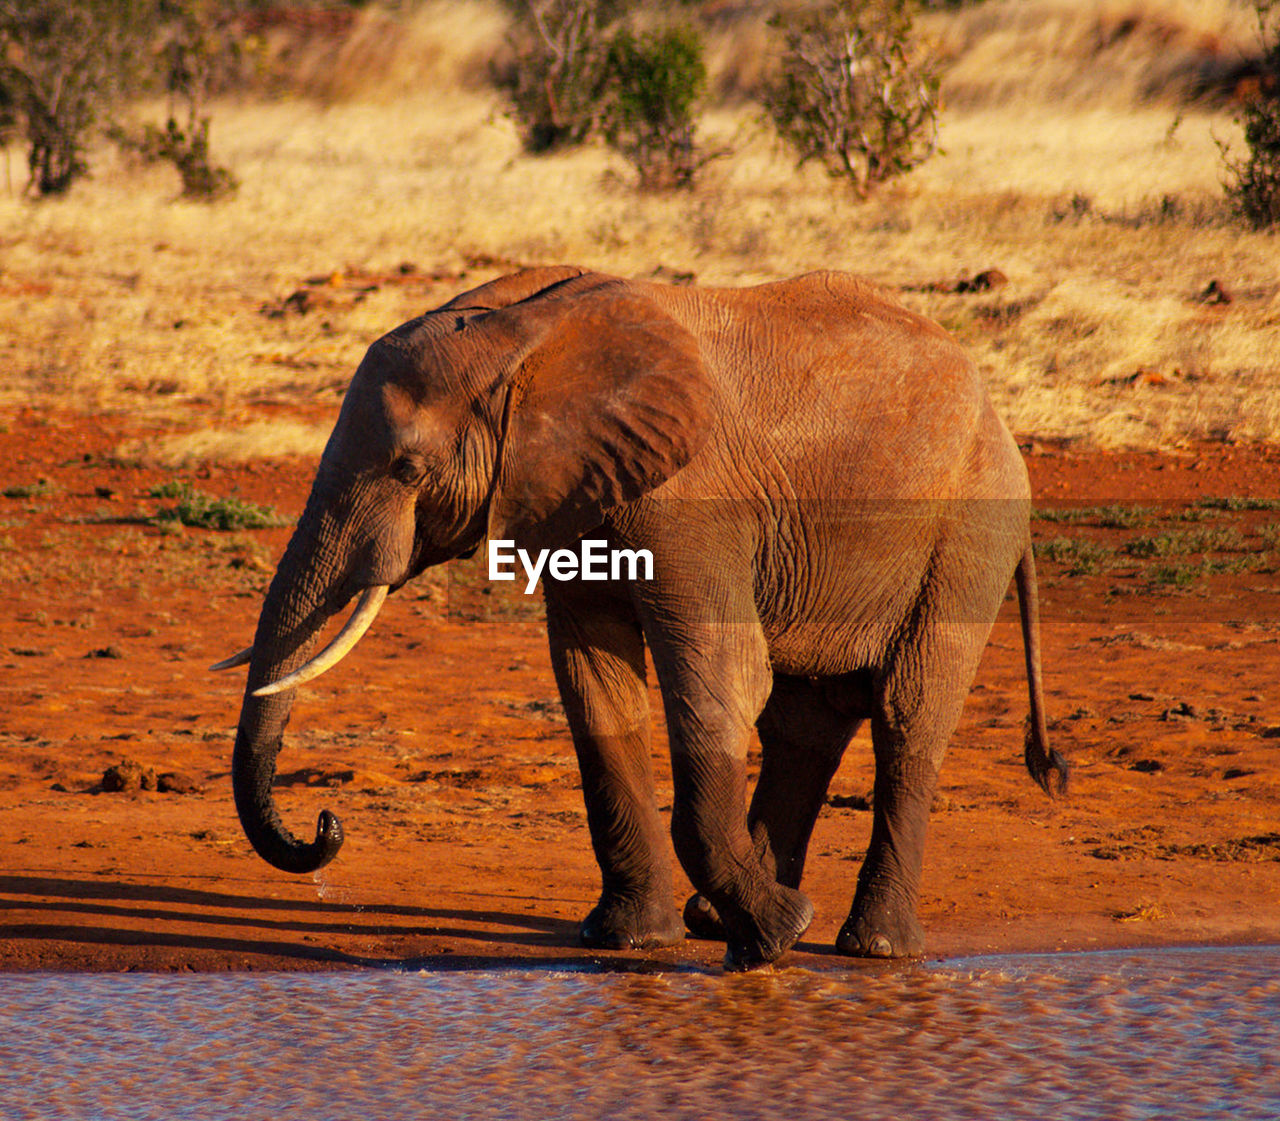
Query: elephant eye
x=407, y=470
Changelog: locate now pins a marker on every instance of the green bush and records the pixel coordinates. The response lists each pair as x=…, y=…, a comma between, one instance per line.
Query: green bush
x=188, y=150
x=201, y=47
x=654, y=82
x=574, y=73
x=556, y=77
x=854, y=92
x=1253, y=181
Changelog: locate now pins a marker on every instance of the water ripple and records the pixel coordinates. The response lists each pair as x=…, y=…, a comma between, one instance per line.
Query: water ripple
x=1186, y=1034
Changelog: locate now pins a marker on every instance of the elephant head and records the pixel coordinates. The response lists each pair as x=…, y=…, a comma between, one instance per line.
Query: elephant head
x=524, y=409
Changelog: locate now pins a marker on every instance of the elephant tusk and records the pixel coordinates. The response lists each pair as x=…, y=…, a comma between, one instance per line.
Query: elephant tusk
x=241, y=659
x=361, y=619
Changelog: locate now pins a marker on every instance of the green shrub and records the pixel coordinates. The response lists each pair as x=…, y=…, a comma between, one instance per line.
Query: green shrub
x=1253, y=181
x=654, y=82
x=200, y=48
x=557, y=73
x=854, y=92
x=188, y=150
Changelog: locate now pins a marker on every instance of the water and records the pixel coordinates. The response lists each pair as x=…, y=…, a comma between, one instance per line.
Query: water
x=1184, y=1034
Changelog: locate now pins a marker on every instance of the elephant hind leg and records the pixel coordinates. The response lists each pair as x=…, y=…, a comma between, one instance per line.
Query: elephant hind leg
x=803, y=736
x=917, y=706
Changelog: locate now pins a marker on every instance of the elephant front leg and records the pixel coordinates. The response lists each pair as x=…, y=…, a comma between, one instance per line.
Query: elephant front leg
x=714, y=684
x=760, y=917
x=597, y=651
x=803, y=736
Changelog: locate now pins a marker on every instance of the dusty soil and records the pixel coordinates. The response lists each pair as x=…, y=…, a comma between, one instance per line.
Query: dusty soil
x=441, y=743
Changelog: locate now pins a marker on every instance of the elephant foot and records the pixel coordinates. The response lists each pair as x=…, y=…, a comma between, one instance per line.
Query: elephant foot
x=879, y=932
x=627, y=924
x=702, y=920
x=757, y=942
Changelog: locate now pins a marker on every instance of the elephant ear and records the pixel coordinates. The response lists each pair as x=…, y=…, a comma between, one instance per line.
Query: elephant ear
x=610, y=399
x=513, y=288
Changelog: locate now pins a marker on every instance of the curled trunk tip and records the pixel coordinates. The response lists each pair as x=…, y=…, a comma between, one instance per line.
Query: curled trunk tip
x=251, y=778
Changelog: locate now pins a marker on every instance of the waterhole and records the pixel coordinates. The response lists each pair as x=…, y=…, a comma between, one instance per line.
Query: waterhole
x=1184, y=1034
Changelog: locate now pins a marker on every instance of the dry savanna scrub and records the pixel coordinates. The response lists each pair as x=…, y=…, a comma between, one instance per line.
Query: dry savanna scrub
x=1132, y=311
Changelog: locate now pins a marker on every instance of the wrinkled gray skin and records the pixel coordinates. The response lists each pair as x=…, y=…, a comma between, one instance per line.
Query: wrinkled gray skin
x=834, y=510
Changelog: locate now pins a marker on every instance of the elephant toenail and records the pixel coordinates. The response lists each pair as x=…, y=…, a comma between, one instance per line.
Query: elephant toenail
x=880, y=947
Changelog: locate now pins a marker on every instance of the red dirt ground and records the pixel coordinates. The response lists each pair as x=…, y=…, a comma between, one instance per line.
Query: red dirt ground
x=441, y=744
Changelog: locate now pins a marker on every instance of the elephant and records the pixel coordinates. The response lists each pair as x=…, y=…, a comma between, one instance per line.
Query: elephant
x=834, y=512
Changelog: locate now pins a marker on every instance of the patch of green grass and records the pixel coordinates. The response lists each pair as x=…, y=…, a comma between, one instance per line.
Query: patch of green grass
x=1182, y=576
x=1082, y=558
x=1252, y=562
x=1056, y=514
x=1219, y=539
x=1174, y=575
x=1236, y=503
x=1115, y=516
x=203, y=511
x=1197, y=514
x=171, y=489
x=39, y=489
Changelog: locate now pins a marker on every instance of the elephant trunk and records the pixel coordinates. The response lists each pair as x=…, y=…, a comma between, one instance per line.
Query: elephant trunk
x=297, y=605
x=253, y=768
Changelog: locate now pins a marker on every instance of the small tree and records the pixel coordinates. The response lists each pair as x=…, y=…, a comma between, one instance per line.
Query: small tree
x=556, y=78
x=187, y=148
x=853, y=92
x=64, y=64
x=1253, y=181
x=654, y=81
x=200, y=44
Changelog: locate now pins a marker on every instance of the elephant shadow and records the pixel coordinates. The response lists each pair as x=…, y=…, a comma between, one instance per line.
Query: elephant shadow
x=132, y=915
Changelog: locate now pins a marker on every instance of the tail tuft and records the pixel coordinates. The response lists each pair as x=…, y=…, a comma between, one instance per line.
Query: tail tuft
x=1050, y=770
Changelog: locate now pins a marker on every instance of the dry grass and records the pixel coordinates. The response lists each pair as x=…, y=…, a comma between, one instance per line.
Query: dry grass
x=246, y=441
x=1103, y=210
x=1116, y=52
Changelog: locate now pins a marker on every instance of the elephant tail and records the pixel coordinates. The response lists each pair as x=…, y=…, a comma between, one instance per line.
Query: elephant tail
x=1047, y=767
